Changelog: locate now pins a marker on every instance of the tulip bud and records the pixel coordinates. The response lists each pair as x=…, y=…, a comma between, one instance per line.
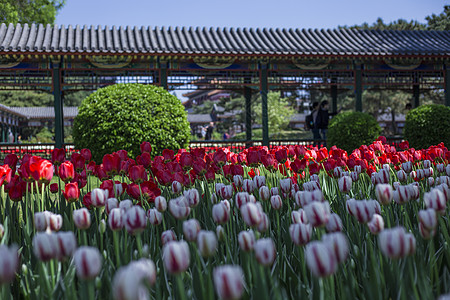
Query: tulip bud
x=401, y=194
x=376, y=224
x=276, y=202
x=176, y=187
x=102, y=227
x=98, y=197
x=88, y=262
x=41, y=220
x=115, y=219
x=264, y=193
x=436, y=200
x=440, y=168
x=299, y=216
x=317, y=213
x=345, y=184
x=337, y=172
x=45, y=246
x=9, y=263
x=259, y=181
x=193, y=197
x=286, y=185
x=300, y=233
x=214, y=198
x=54, y=188
x=161, y=204
x=428, y=218
x=67, y=244
x=354, y=176
x=426, y=233
x=191, y=228
x=125, y=205
x=241, y=199
x=246, y=240
x=334, y=223
x=263, y=226
x=176, y=257
x=320, y=259
x=168, y=236
x=110, y=204
x=338, y=244
x=251, y=214
x=384, y=193
x=179, y=208
x=221, y=213
x=154, y=216
x=426, y=163
x=226, y=191
x=407, y=166
x=220, y=232
x=207, y=243
x=394, y=242
x=135, y=220
x=401, y=175
x=265, y=251
x=82, y=218
x=238, y=181
x=229, y=282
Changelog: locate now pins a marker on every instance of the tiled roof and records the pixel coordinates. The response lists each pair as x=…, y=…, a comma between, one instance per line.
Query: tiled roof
x=199, y=118
x=69, y=112
x=25, y=38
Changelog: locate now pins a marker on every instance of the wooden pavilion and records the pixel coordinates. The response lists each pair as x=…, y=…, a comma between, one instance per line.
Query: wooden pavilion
x=63, y=59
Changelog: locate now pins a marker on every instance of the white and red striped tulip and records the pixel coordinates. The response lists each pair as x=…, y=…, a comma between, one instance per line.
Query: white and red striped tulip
x=345, y=184
x=82, y=218
x=402, y=176
x=259, y=181
x=135, y=220
x=242, y=198
x=337, y=172
x=154, y=216
x=110, y=204
x=263, y=226
x=193, y=197
x=41, y=220
x=161, y=204
x=115, y=221
x=176, y=187
x=440, y=168
x=436, y=200
x=98, y=197
x=426, y=233
x=320, y=259
x=334, y=223
x=45, y=246
x=317, y=213
x=299, y=216
x=251, y=214
x=226, y=191
x=168, y=236
x=265, y=251
x=207, y=243
x=276, y=202
x=376, y=224
x=274, y=191
x=357, y=169
x=427, y=163
x=300, y=233
x=354, y=176
x=220, y=232
x=447, y=170
x=125, y=205
x=428, y=218
x=338, y=244
x=264, y=193
x=191, y=228
x=176, y=257
x=407, y=166
x=238, y=180
x=384, y=193
x=88, y=262
x=246, y=240
x=248, y=186
x=221, y=212
x=394, y=242
x=9, y=263
x=401, y=194
x=67, y=244
x=229, y=282
x=179, y=208
x=443, y=187
x=285, y=185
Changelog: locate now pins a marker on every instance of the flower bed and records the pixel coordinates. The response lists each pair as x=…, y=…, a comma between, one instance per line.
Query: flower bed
x=286, y=223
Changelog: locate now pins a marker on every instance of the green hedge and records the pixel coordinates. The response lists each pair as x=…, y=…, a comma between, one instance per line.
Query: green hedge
x=122, y=116
x=428, y=125
x=349, y=130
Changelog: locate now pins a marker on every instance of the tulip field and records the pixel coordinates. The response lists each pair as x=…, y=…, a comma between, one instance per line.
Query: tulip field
x=290, y=222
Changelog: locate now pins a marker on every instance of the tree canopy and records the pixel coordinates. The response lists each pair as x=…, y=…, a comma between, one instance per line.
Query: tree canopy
x=29, y=11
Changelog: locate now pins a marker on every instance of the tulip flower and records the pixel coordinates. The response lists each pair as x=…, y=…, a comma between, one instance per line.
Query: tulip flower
x=45, y=246
x=66, y=171
x=161, y=204
x=263, y=226
x=338, y=244
x=99, y=197
x=238, y=181
x=176, y=257
x=428, y=218
x=5, y=174
x=265, y=251
x=259, y=181
x=207, y=243
x=41, y=220
x=384, y=193
x=154, y=216
x=168, y=236
x=110, y=204
x=67, y=244
x=191, y=228
x=436, y=200
x=229, y=282
x=179, y=208
x=394, y=242
x=334, y=223
x=317, y=213
x=82, y=218
x=345, y=184
x=55, y=222
x=9, y=263
x=137, y=174
x=115, y=219
x=286, y=185
x=41, y=169
x=248, y=186
x=176, y=187
x=376, y=224
x=426, y=233
x=300, y=233
x=88, y=262
x=58, y=156
x=251, y=214
x=221, y=212
x=125, y=205
x=246, y=240
x=135, y=220
x=71, y=192
x=193, y=197
x=320, y=259
x=299, y=216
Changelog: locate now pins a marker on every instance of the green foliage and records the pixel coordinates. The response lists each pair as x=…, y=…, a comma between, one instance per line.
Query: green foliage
x=400, y=24
x=349, y=130
x=441, y=21
x=29, y=11
x=122, y=116
x=428, y=125
x=290, y=134
x=279, y=112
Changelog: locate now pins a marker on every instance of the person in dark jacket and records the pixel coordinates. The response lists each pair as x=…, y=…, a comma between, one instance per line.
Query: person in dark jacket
x=315, y=130
x=323, y=117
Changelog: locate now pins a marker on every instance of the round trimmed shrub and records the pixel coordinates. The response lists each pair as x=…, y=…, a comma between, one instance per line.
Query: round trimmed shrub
x=350, y=130
x=428, y=125
x=122, y=116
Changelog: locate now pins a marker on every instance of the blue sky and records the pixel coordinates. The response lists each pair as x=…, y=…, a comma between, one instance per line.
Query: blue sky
x=244, y=13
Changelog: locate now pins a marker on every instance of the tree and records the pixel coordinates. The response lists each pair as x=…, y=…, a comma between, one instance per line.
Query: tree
x=441, y=21
x=279, y=112
x=29, y=11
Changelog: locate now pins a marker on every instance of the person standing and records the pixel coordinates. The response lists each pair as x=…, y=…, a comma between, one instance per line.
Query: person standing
x=209, y=131
x=323, y=117
x=314, y=128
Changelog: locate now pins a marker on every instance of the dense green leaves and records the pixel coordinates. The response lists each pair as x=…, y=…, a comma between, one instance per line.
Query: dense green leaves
x=349, y=130
x=428, y=125
x=122, y=116
x=29, y=11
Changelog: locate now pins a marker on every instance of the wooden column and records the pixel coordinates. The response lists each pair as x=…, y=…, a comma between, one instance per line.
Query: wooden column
x=358, y=87
x=263, y=85
x=163, y=74
x=58, y=105
x=447, y=85
x=248, y=113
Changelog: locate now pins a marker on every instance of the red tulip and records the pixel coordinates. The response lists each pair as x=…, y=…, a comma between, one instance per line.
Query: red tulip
x=281, y=155
x=186, y=161
x=199, y=166
x=78, y=161
x=123, y=154
x=125, y=166
x=168, y=155
x=5, y=174
x=71, y=192
x=111, y=164
x=137, y=174
x=41, y=169
x=91, y=168
x=144, y=159
x=220, y=157
x=66, y=171
x=58, y=156
x=146, y=147
x=54, y=188
x=16, y=192
x=86, y=153
x=11, y=160
x=101, y=173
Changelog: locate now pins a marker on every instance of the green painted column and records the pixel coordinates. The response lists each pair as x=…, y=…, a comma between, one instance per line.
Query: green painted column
x=334, y=95
x=265, y=113
x=58, y=105
x=447, y=85
x=248, y=113
x=358, y=87
x=163, y=74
